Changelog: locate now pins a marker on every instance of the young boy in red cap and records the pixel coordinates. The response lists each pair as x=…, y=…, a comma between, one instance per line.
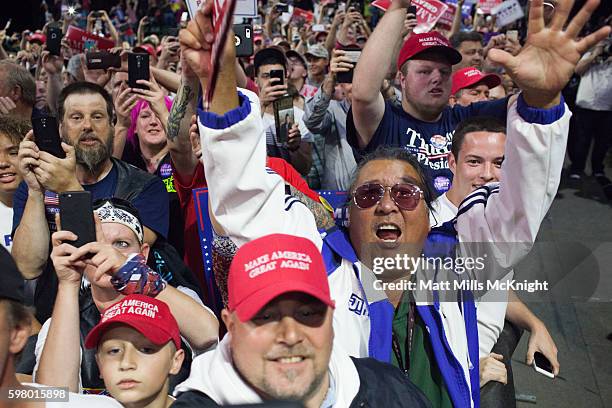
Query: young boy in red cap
x=138, y=346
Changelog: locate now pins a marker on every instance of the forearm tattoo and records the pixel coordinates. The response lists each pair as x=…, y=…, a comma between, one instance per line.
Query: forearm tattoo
x=177, y=113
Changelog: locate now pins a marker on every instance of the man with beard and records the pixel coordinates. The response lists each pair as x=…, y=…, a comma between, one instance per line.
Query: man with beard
x=85, y=112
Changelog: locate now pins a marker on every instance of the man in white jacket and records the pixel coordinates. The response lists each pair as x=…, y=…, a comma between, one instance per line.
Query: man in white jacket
x=247, y=201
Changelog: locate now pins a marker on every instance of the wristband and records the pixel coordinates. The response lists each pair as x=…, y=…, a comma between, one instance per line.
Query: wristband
x=135, y=277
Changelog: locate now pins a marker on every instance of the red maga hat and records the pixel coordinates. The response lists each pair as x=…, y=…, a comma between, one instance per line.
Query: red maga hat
x=151, y=317
x=417, y=43
x=270, y=266
x=466, y=77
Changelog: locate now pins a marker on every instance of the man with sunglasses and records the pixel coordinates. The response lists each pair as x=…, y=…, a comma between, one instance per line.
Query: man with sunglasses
x=97, y=275
x=389, y=212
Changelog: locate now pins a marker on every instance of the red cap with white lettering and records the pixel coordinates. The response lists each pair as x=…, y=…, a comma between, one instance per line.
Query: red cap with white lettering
x=470, y=76
x=417, y=43
x=270, y=266
x=151, y=317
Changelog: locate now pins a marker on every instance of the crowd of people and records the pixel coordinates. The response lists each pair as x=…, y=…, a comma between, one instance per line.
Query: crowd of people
x=444, y=143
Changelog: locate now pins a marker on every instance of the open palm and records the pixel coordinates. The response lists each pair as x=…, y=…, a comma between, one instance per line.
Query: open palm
x=548, y=59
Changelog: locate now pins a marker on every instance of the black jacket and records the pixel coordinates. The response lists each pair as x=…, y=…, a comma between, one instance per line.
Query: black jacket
x=380, y=385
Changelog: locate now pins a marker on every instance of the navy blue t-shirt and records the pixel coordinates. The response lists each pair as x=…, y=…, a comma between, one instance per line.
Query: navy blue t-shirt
x=430, y=142
x=152, y=202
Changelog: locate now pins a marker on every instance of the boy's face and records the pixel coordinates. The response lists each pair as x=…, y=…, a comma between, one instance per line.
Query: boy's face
x=133, y=368
x=9, y=176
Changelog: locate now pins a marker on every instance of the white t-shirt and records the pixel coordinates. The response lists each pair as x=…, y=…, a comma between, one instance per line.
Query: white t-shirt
x=6, y=226
x=595, y=89
x=491, y=307
x=81, y=400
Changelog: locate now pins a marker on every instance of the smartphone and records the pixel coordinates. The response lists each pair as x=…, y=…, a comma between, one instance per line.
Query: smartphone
x=97, y=14
x=278, y=73
x=138, y=68
x=243, y=34
x=412, y=10
x=47, y=137
x=512, y=35
x=102, y=60
x=283, y=117
x=347, y=77
x=342, y=7
x=54, y=40
x=542, y=365
x=282, y=7
x=76, y=216
x=318, y=28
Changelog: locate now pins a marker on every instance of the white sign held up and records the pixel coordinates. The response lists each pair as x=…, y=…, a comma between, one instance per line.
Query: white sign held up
x=507, y=12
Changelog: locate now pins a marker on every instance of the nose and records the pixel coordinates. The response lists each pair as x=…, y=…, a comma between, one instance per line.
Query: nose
x=386, y=205
x=289, y=332
x=86, y=123
x=128, y=361
x=487, y=174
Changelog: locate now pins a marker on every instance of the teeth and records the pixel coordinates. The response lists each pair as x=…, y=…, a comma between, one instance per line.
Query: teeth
x=289, y=360
x=387, y=227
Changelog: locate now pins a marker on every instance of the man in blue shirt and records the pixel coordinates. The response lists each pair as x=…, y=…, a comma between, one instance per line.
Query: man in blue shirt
x=85, y=112
x=424, y=124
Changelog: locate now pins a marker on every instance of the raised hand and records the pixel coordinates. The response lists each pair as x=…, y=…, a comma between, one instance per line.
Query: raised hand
x=196, y=41
x=549, y=57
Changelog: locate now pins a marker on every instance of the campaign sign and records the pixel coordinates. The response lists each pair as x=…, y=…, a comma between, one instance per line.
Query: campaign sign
x=205, y=230
x=302, y=16
x=446, y=21
x=428, y=12
x=507, y=12
x=78, y=40
x=487, y=5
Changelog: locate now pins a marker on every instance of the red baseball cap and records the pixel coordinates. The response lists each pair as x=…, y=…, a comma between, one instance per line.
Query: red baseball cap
x=270, y=266
x=466, y=77
x=417, y=43
x=39, y=37
x=148, y=48
x=151, y=317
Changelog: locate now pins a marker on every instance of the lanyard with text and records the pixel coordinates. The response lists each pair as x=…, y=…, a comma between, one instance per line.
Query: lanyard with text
x=404, y=364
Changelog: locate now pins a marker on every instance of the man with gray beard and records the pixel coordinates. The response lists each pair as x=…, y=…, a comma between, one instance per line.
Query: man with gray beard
x=85, y=112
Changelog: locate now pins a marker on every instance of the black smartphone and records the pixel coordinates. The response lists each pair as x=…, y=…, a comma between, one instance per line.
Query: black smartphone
x=46, y=135
x=97, y=14
x=542, y=365
x=243, y=34
x=277, y=73
x=54, y=40
x=102, y=60
x=347, y=77
x=283, y=117
x=138, y=68
x=76, y=216
x=282, y=7
x=412, y=10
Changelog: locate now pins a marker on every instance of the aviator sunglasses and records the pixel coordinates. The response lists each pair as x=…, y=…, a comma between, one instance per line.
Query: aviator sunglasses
x=405, y=195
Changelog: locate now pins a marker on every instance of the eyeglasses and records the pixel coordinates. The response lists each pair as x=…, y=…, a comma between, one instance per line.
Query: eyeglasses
x=405, y=195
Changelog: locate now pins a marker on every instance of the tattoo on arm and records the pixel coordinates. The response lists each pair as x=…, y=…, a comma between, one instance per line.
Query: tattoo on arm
x=177, y=113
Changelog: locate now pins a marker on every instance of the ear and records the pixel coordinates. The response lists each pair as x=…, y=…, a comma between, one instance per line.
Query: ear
x=16, y=93
x=228, y=320
x=452, y=163
x=177, y=361
x=145, y=249
x=18, y=338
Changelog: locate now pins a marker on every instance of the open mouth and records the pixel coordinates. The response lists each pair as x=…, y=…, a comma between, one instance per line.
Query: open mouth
x=388, y=232
x=436, y=92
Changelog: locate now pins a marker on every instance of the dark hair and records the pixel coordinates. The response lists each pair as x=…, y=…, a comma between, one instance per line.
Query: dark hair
x=457, y=38
x=475, y=124
x=15, y=129
x=18, y=75
x=401, y=154
x=271, y=60
x=84, y=88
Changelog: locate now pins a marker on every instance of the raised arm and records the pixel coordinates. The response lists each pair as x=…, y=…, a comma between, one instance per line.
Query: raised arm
x=537, y=128
x=246, y=200
x=367, y=102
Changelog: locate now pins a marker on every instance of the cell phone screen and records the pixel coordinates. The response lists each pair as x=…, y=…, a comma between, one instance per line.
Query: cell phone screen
x=412, y=10
x=278, y=73
x=542, y=362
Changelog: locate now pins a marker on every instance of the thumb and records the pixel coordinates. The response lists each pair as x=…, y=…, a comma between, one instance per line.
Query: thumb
x=530, y=352
x=503, y=58
x=69, y=150
x=496, y=356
